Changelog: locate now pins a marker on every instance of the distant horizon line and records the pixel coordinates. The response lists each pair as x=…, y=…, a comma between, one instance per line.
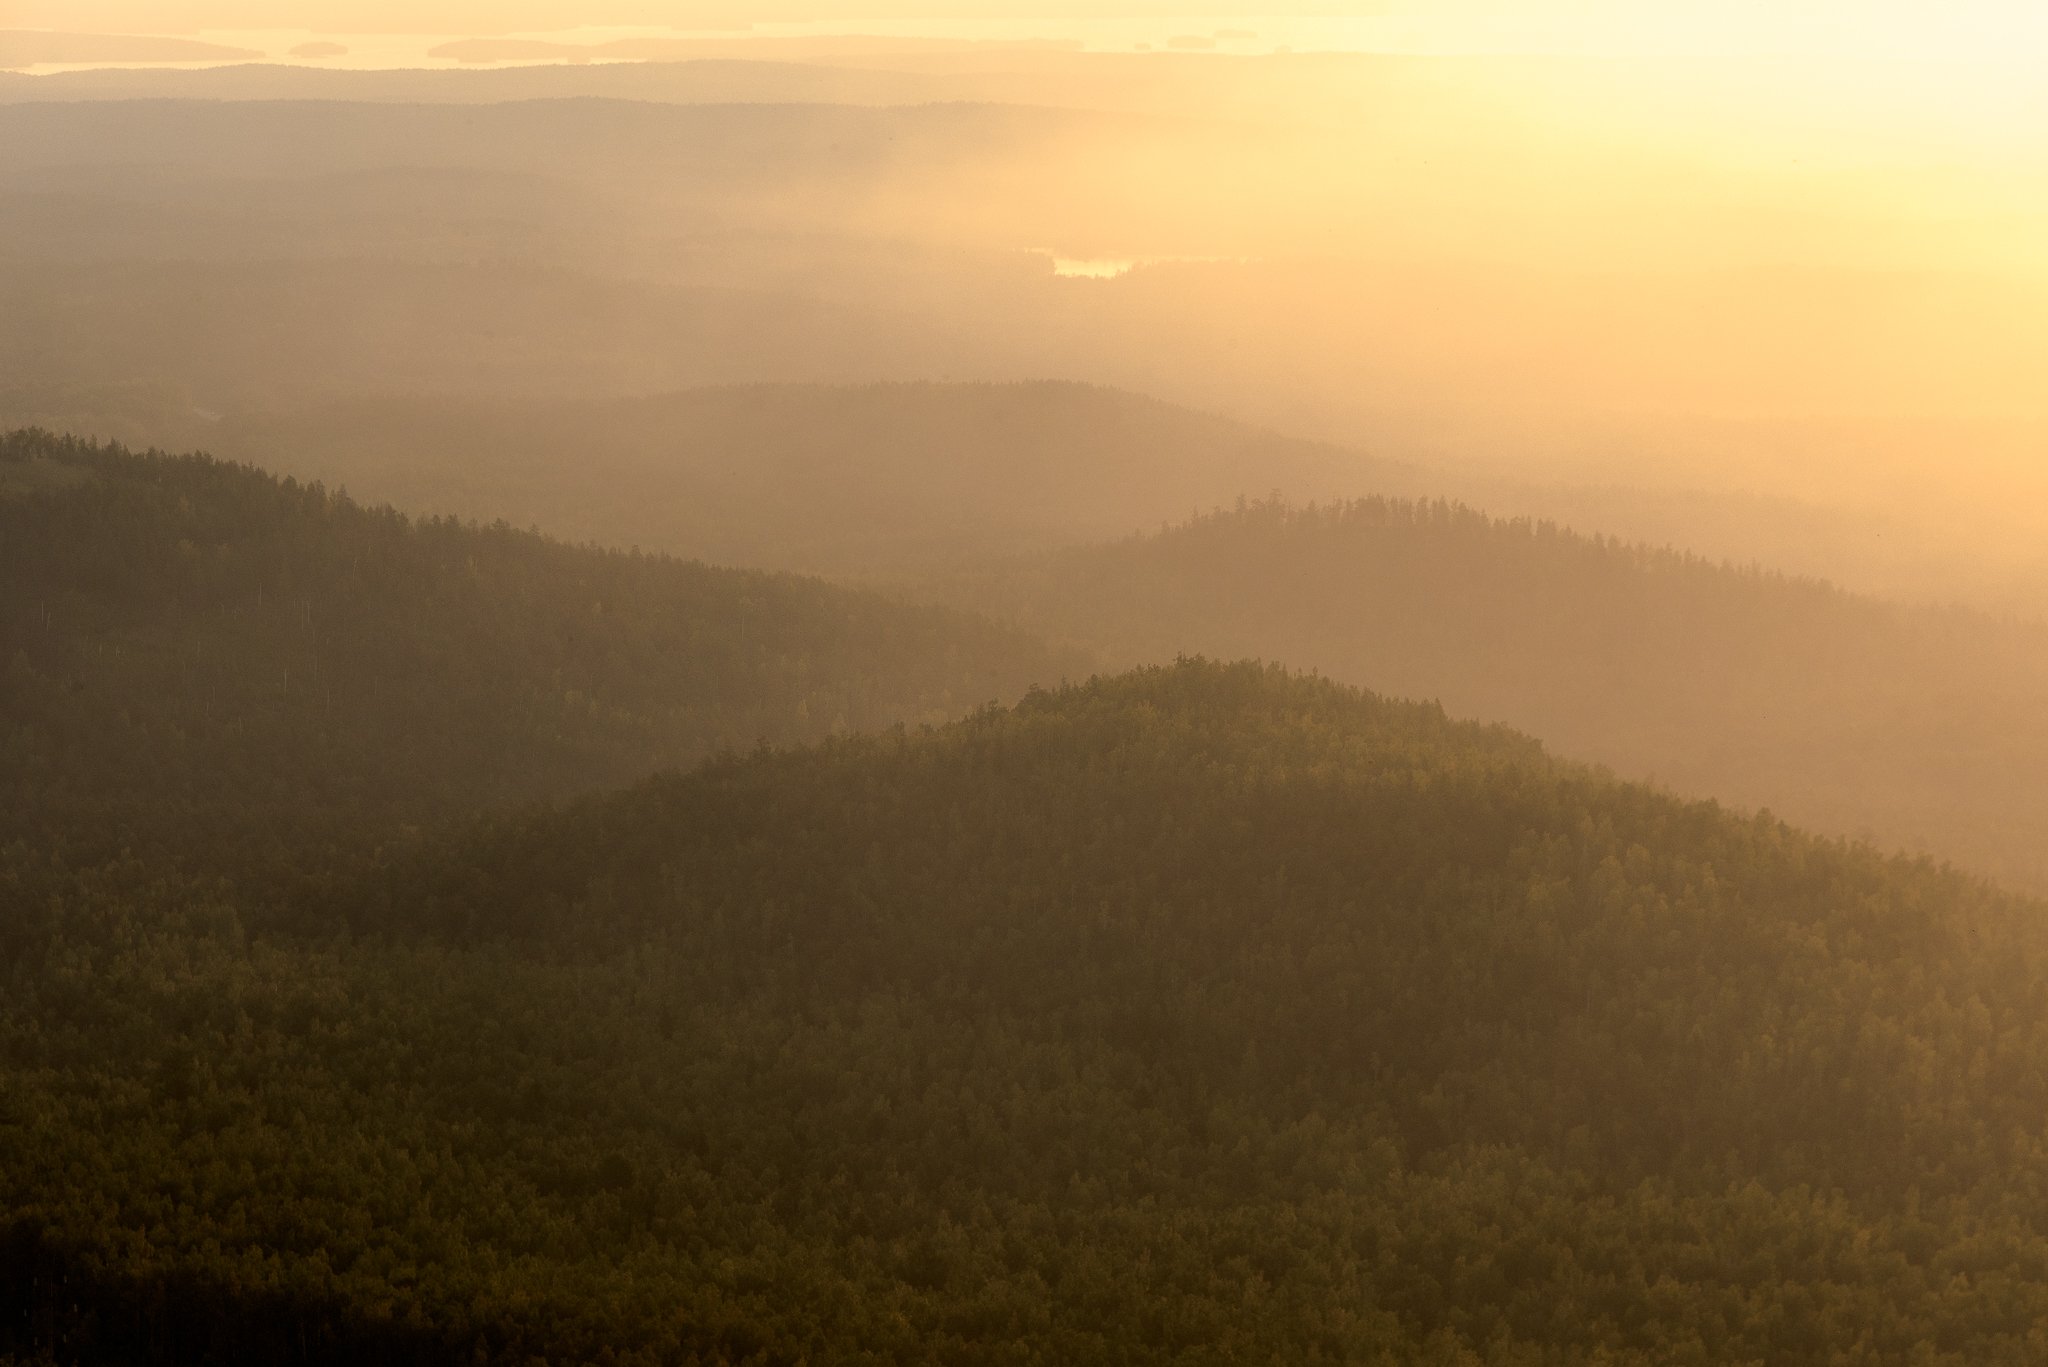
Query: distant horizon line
x=1207, y=35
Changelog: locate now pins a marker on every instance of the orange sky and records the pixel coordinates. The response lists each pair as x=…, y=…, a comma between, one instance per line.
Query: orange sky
x=1894, y=28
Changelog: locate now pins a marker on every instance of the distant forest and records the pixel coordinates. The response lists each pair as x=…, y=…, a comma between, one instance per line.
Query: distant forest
x=1913, y=728
x=994, y=704
x=873, y=480
x=199, y=648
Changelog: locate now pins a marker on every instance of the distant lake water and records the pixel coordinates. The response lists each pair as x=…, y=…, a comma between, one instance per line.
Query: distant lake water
x=1110, y=267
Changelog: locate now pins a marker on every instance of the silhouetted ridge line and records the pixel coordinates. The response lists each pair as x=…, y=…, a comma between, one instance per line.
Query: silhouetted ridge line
x=1915, y=728
x=205, y=656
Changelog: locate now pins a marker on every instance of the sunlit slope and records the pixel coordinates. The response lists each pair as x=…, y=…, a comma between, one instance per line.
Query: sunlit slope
x=1204, y=1014
x=1921, y=729
x=196, y=650
x=808, y=476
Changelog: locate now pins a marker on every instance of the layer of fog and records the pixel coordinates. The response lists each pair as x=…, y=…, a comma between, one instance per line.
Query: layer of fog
x=1773, y=312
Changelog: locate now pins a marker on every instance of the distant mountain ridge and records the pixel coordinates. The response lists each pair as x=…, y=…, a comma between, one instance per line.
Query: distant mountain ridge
x=1919, y=728
x=1093, y=463
x=871, y=478
x=198, y=650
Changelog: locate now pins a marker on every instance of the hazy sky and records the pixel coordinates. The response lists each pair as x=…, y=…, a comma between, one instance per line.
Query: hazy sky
x=505, y=16
x=1989, y=28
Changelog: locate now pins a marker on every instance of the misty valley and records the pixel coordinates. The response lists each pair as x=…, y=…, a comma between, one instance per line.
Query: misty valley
x=841, y=695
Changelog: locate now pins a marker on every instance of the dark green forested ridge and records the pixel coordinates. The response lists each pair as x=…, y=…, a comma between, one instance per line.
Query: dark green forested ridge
x=195, y=649
x=1206, y=1013
x=1920, y=729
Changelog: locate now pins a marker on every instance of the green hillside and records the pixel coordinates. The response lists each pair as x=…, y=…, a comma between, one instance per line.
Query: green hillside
x=1203, y=1014
x=197, y=651
x=1919, y=729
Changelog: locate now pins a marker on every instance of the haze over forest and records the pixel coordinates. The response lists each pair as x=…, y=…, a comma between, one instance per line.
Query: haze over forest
x=770, y=682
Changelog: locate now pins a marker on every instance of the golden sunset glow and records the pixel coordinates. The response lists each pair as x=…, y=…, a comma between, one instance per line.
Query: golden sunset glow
x=1024, y=683
x=1969, y=30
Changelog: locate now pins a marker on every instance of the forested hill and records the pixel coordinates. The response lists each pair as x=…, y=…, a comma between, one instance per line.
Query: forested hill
x=1916, y=728
x=1207, y=1014
x=812, y=477
x=197, y=649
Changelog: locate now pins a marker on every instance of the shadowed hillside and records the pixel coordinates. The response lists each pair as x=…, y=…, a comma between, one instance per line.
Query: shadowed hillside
x=1201, y=1015
x=198, y=649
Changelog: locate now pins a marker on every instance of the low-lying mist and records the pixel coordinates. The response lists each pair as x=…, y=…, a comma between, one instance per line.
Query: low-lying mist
x=1796, y=282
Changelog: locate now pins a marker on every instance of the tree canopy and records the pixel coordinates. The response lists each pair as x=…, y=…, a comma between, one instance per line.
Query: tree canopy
x=1916, y=728
x=197, y=653
x=1206, y=1013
